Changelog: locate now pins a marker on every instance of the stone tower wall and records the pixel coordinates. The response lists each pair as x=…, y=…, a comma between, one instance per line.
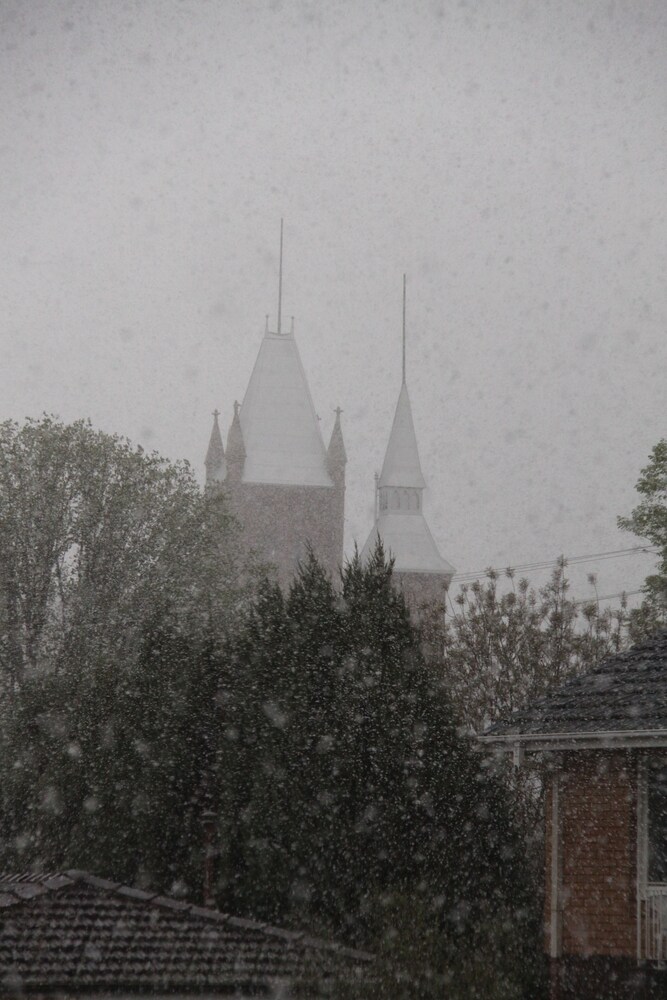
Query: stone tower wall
x=422, y=588
x=277, y=523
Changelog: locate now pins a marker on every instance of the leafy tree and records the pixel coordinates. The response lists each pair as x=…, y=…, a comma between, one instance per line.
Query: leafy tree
x=502, y=648
x=649, y=520
x=117, y=589
x=94, y=536
x=103, y=768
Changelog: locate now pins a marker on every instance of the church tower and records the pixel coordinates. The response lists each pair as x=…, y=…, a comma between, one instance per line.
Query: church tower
x=419, y=569
x=285, y=488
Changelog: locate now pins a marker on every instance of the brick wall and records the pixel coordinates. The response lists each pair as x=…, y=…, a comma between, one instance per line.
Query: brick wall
x=597, y=800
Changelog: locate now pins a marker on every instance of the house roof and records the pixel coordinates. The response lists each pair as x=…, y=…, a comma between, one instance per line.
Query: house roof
x=281, y=432
x=401, y=466
x=74, y=931
x=408, y=539
x=622, y=700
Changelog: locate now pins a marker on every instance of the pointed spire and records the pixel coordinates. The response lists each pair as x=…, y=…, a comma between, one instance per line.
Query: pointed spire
x=280, y=282
x=236, y=453
x=403, y=381
x=401, y=466
x=215, y=455
x=336, y=454
x=281, y=431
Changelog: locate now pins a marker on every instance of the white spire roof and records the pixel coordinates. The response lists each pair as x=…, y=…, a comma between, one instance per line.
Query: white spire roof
x=281, y=432
x=408, y=539
x=400, y=523
x=401, y=465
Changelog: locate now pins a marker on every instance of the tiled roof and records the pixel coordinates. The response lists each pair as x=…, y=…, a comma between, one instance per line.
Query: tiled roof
x=626, y=693
x=73, y=931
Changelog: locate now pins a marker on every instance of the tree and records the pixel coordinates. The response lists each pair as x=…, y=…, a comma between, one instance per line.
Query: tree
x=118, y=586
x=347, y=798
x=501, y=649
x=504, y=645
x=648, y=520
x=94, y=537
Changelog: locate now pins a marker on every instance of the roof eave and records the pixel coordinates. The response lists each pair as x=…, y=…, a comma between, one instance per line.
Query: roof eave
x=544, y=742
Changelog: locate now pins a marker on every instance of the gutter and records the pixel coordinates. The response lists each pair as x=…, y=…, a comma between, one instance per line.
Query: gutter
x=518, y=743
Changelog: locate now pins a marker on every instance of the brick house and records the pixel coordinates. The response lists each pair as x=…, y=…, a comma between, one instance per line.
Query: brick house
x=75, y=934
x=603, y=740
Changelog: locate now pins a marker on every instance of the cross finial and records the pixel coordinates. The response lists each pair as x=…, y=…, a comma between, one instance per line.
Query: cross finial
x=338, y=412
x=216, y=413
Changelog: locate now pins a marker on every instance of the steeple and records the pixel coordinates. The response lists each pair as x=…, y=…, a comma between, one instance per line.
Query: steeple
x=400, y=521
x=236, y=453
x=401, y=466
x=285, y=489
x=336, y=454
x=215, y=455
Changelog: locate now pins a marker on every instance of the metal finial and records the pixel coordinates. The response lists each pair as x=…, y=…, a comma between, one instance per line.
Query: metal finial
x=280, y=280
x=403, y=329
x=338, y=412
x=237, y=407
x=292, y=328
x=216, y=414
x=266, y=324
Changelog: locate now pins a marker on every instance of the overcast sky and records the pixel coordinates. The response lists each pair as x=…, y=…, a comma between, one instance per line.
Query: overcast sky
x=509, y=155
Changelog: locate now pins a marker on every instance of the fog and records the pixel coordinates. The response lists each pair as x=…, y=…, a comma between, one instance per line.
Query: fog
x=510, y=157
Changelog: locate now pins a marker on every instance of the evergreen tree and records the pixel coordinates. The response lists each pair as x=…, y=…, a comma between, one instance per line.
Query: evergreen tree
x=350, y=799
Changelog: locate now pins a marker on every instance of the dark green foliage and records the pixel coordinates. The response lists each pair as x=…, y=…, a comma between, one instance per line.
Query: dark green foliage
x=349, y=803
x=142, y=689
x=115, y=586
x=101, y=768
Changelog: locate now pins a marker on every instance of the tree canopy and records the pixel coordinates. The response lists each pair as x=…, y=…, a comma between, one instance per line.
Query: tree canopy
x=648, y=520
x=327, y=749
x=348, y=798
x=506, y=642
x=96, y=537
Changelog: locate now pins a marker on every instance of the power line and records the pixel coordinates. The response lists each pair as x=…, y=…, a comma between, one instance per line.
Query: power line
x=470, y=576
x=608, y=597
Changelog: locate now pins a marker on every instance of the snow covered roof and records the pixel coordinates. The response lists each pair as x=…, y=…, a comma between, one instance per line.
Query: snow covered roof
x=407, y=537
x=281, y=432
x=401, y=465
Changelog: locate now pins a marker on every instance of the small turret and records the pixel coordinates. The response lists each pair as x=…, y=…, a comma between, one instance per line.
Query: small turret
x=215, y=455
x=236, y=453
x=336, y=454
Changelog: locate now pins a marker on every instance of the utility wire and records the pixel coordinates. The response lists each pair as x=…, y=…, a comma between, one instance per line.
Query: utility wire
x=608, y=597
x=472, y=575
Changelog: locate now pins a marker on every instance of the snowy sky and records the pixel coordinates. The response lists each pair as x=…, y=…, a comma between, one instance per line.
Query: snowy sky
x=509, y=155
